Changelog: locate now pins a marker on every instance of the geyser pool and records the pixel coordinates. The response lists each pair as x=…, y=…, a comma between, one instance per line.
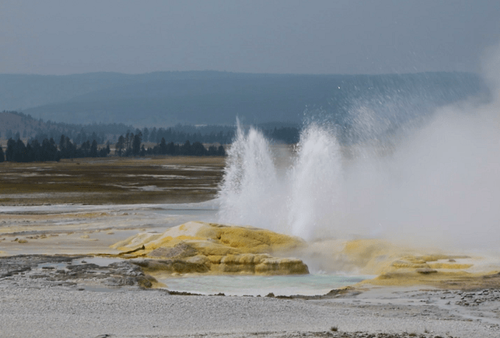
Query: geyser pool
x=261, y=285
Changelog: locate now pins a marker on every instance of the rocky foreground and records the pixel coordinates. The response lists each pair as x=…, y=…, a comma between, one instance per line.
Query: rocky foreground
x=72, y=272
x=60, y=311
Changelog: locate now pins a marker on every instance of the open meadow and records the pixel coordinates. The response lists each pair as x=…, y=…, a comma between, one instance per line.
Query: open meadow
x=113, y=180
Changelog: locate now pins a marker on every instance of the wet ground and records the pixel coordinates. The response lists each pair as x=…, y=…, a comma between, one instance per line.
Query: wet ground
x=111, y=180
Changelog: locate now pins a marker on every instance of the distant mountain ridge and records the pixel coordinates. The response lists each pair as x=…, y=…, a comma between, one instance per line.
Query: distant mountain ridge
x=168, y=98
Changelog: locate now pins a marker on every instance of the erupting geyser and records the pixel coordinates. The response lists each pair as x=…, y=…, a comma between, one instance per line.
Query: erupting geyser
x=248, y=192
x=297, y=202
x=314, y=180
x=434, y=184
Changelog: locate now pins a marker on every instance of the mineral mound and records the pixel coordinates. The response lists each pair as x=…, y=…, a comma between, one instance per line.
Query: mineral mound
x=198, y=247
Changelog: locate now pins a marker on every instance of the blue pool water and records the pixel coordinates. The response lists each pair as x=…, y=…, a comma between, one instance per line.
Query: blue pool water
x=261, y=285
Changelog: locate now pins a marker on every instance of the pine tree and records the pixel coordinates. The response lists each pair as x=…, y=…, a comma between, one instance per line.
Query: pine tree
x=163, y=146
x=11, y=145
x=93, y=149
x=120, y=145
x=136, y=144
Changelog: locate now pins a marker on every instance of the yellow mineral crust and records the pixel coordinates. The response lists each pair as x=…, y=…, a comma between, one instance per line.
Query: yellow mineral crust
x=398, y=266
x=371, y=256
x=198, y=247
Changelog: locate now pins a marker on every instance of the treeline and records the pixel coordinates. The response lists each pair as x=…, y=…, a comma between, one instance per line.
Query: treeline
x=167, y=141
x=209, y=134
x=186, y=140
x=78, y=138
x=180, y=133
x=213, y=134
x=18, y=125
x=26, y=127
x=47, y=150
x=131, y=145
x=288, y=135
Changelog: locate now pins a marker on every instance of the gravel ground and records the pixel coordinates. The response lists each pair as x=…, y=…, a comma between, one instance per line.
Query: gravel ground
x=65, y=312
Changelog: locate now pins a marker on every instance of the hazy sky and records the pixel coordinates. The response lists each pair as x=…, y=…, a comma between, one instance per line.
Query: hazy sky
x=65, y=37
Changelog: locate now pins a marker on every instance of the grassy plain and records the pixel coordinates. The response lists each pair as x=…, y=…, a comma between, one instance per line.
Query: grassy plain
x=112, y=180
